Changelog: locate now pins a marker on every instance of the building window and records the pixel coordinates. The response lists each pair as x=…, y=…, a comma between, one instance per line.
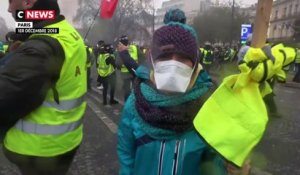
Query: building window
x=284, y=12
x=274, y=31
x=296, y=9
x=290, y=10
x=276, y=14
x=284, y=30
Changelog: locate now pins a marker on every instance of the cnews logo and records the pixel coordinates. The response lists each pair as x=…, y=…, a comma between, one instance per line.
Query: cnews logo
x=35, y=14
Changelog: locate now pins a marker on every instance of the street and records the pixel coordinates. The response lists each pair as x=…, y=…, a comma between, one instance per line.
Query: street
x=277, y=153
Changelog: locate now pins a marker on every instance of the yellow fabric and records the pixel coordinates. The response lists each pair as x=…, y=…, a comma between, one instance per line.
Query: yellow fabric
x=100, y=57
x=204, y=52
x=234, y=118
x=282, y=59
x=256, y=55
x=298, y=56
x=232, y=54
x=133, y=52
x=70, y=85
x=105, y=70
x=89, y=60
x=5, y=48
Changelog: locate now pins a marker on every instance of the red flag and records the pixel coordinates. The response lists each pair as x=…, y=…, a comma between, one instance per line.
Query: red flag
x=107, y=8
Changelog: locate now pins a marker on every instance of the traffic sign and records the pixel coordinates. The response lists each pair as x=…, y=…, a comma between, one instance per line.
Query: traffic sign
x=246, y=30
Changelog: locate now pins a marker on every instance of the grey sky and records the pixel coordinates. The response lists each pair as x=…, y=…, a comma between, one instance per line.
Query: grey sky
x=244, y=2
x=68, y=8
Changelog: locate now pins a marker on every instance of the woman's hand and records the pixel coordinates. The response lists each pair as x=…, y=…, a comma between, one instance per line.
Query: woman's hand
x=122, y=47
x=233, y=170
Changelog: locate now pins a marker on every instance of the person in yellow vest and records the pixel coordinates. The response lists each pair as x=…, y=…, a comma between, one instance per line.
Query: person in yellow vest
x=99, y=52
x=127, y=75
x=207, y=56
x=106, y=70
x=201, y=53
x=89, y=63
x=297, y=64
x=42, y=89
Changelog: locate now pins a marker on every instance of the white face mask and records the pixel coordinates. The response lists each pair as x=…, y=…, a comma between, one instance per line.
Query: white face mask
x=172, y=76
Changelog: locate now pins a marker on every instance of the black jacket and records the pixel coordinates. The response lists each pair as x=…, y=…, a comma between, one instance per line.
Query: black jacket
x=26, y=76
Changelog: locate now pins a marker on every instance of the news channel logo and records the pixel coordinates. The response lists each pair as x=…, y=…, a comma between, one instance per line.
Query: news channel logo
x=27, y=18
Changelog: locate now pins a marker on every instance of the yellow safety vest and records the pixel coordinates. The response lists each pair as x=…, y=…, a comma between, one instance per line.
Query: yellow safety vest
x=56, y=128
x=89, y=60
x=133, y=52
x=297, y=60
x=99, y=58
x=232, y=54
x=5, y=48
x=103, y=69
x=205, y=61
x=202, y=52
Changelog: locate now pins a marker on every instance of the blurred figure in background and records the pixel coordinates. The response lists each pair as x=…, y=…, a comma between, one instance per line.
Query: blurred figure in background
x=208, y=56
x=106, y=70
x=99, y=53
x=126, y=75
x=297, y=64
x=89, y=63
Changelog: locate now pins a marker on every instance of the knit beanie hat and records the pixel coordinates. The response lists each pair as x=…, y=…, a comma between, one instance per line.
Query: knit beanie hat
x=175, y=38
x=175, y=15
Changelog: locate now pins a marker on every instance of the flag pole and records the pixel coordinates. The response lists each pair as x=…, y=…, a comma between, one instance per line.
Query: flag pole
x=92, y=24
x=261, y=24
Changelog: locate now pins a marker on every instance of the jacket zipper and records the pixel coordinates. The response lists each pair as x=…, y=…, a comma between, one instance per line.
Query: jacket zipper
x=175, y=159
x=161, y=153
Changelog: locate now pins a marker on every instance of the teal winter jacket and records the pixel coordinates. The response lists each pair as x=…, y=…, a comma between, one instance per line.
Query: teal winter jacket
x=147, y=150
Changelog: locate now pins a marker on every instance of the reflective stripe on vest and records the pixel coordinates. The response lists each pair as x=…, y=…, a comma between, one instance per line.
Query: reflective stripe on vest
x=297, y=60
x=34, y=128
x=66, y=104
x=133, y=52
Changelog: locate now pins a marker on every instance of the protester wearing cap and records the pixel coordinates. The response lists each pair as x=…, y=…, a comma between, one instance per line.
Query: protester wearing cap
x=133, y=53
x=106, y=71
x=156, y=134
x=99, y=54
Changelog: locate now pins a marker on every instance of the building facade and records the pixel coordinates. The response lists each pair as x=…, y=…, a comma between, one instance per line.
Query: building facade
x=284, y=13
x=190, y=7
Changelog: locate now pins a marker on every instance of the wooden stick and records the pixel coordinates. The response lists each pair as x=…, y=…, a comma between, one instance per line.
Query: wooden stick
x=261, y=24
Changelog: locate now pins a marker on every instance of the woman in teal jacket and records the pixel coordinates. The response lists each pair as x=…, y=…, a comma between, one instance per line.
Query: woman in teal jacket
x=156, y=134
